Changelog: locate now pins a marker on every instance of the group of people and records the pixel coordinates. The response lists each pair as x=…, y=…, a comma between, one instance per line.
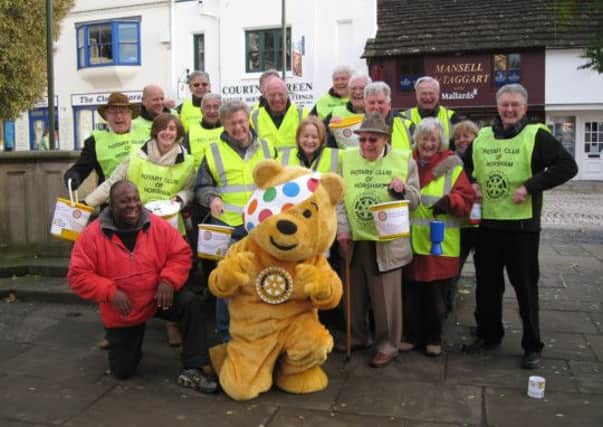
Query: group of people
x=201, y=155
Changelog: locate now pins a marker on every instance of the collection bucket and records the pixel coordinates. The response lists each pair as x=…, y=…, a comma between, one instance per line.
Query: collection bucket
x=343, y=131
x=166, y=209
x=70, y=217
x=391, y=219
x=213, y=241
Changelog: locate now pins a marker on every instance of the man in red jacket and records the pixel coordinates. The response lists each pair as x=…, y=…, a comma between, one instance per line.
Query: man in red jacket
x=134, y=264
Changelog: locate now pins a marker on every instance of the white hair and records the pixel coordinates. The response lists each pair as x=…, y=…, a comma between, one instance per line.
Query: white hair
x=426, y=127
x=342, y=69
x=513, y=88
x=358, y=76
x=376, y=88
x=428, y=79
x=209, y=96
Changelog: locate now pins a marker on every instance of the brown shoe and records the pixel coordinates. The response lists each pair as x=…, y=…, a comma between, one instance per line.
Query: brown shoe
x=406, y=346
x=433, y=350
x=173, y=334
x=381, y=359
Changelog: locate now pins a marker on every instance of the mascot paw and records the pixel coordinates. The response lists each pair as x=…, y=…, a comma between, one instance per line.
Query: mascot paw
x=237, y=270
x=309, y=277
x=309, y=381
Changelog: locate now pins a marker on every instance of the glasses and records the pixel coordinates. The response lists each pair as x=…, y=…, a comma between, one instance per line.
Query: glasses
x=200, y=84
x=371, y=139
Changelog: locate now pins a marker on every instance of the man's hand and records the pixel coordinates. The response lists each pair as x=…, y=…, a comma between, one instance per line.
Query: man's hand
x=396, y=185
x=217, y=207
x=164, y=296
x=478, y=191
x=520, y=195
x=121, y=302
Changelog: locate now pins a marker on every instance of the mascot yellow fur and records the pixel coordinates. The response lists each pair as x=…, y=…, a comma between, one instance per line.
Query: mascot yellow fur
x=276, y=278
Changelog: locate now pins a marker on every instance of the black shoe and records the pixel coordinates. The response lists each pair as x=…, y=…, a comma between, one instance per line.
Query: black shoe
x=479, y=345
x=531, y=360
x=198, y=380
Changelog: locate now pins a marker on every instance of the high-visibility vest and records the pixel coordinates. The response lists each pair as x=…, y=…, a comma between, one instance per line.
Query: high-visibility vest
x=112, y=148
x=234, y=175
x=284, y=136
x=343, y=112
x=327, y=161
x=422, y=216
x=366, y=184
x=142, y=125
x=189, y=113
x=326, y=103
x=444, y=116
x=158, y=182
x=199, y=139
x=401, y=138
x=500, y=167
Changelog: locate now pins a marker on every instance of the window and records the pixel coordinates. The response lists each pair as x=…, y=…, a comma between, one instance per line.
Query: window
x=108, y=43
x=263, y=50
x=593, y=139
x=409, y=70
x=199, y=53
x=564, y=129
x=507, y=69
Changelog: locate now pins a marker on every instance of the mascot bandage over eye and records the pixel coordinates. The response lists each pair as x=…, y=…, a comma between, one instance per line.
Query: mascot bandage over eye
x=275, y=279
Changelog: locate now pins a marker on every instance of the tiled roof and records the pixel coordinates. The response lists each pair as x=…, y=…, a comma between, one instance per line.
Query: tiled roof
x=438, y=26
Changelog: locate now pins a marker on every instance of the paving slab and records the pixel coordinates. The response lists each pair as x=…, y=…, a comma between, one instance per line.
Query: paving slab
x=597, y=318
x=10, y=350
x=556, y=346
x=558, y=409
x=439, y=402
x=131, y=407
x=12, y=423
x=596, y=345
x=566, y=321
x=294, y=417
x=494, y=369
x=589, y=376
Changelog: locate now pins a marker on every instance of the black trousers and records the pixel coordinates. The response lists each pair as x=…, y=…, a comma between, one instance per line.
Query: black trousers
x=517, y=252
x=125, y=344
x=426, y=309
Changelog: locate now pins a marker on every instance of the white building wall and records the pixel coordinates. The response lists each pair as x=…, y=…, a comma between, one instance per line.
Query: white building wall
x=573, y=101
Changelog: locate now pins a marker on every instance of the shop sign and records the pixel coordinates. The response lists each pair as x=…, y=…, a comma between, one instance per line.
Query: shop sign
x=461, y=77
x=300, y=93
x=89, y=99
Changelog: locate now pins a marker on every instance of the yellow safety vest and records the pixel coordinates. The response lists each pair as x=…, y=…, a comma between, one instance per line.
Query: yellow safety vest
x=401, y=137
x=327, y=161
x=234, y=175
x=326, y=103
x=112, y=148
x=444, y=116
x=343, y=112
x=422, y=216
x=284, y=136
x=199, y=139
x=189, y=113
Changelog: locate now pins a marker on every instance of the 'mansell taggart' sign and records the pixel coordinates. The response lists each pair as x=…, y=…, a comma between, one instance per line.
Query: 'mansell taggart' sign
x=461, y=78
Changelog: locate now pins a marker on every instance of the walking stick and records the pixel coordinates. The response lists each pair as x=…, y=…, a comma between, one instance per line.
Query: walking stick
x=348, y=317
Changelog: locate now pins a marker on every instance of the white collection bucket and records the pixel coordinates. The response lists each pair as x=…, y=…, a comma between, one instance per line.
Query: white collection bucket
x=391, y=219
x=70, y=217
x=536, y=386
x=166, y=209
x=213, y=241
x=343, y=131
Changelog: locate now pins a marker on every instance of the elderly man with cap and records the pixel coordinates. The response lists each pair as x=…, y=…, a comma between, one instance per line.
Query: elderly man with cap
x=377, y=98
x=104, y=150
x=427, y=90
x=189, y=110
x=277, y=121
x=153, y=104
x=375, y=173
x=338, y=94
x=512, y=162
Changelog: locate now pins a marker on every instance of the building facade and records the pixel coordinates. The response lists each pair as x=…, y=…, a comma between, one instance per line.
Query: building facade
x=123, y=45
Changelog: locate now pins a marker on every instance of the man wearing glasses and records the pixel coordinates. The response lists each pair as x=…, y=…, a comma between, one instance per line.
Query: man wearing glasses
x=190, y=109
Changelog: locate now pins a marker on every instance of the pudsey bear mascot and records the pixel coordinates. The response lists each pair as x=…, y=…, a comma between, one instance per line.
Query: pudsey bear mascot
x=275, y=279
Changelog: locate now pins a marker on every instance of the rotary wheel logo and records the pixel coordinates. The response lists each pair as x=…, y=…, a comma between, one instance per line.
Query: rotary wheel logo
x=497, y=186
x=382, y=215
x=362, y=204
x=77, y=214
x=274, y=285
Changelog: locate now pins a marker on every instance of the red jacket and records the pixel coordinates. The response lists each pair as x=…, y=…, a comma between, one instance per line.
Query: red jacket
x=99, y=264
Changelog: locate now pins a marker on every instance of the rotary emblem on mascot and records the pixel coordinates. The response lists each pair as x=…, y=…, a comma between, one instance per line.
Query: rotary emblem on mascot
x=274, y=285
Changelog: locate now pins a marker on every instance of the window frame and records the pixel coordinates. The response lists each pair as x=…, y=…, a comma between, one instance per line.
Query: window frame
x=277, y=55
x=196, y=38
x=83, y=46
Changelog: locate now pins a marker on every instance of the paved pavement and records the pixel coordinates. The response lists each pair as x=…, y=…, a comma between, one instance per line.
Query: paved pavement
x=51, y=372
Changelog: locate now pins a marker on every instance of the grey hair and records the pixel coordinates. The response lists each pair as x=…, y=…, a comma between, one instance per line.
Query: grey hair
x=376, y=88
x=230, y=107
x=197, y=73
x=428, y=79
x=365, y=77
x=426, y=127
x=270, y=72
x=342, y=69
x=513, y=88
x=209, y=96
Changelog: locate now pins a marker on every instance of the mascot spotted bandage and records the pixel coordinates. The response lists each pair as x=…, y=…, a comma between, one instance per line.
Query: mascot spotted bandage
x=276, y=278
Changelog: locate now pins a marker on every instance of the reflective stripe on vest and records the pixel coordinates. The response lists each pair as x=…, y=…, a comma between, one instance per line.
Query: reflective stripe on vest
x=199, y=139
x=500, y=167
x=158, y=182
x=366, y=184
x=422, y=216
x=284, y=136
x=234, y=176
x=112, y=148
x=401, y=137
x=444, y=115
x=326, y=104
x=327, y=160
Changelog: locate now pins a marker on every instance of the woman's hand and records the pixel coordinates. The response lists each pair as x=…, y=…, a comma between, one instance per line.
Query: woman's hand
x=217, y=207
x=396, y=185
